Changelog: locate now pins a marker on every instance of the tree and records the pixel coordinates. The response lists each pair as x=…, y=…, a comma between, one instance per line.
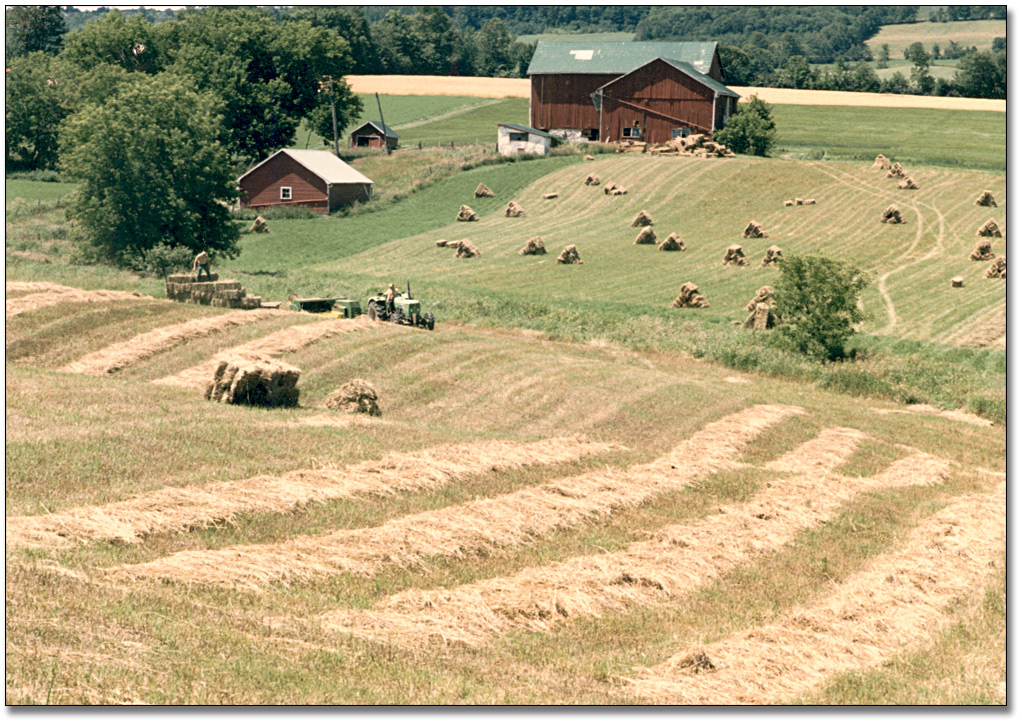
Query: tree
x=321, y=117
x=917, y=55
x=494, y=54
x=818, y=298
x=33, y=28
x=750, y=130
x=350, y=23
x=981, y=76
x=117, y=39
x=150, y=170
x=33, y=112
x=885, y=56
x=797, y=73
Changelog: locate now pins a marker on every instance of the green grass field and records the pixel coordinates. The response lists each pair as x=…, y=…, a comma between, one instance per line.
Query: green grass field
x=34, y=191
x=980, y=33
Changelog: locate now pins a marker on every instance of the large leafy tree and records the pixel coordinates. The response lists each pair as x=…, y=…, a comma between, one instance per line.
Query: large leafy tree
x=350, y=23
x=150, y=171
x=33, y=112
x=818, y=298
x=265, y=74
x=750, y=130
x=33, y=28
x=116, y=39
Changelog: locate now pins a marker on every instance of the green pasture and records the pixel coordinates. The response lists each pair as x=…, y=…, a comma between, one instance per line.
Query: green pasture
x=33, y=191
x=980, y=33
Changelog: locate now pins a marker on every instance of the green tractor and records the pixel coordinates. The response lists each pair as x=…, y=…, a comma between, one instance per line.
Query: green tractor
x=406, y=310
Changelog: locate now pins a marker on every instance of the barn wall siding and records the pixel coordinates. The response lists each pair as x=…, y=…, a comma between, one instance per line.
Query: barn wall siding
x=663, y=89
x=565, y=101
x=262, y=186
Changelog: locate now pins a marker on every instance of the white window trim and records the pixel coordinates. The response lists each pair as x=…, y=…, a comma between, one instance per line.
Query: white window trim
x=290, y=195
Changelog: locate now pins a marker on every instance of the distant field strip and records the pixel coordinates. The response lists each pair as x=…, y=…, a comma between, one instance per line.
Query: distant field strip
x=483, y=526
x=678, y=560
x=120, y=355
x=285, y=340
x=898, y=603
x=446, y=115
x=62, y=294
x=178, y=509
x=519, y=88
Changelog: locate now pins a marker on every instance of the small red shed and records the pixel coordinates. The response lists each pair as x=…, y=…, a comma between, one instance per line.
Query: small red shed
x=314, y=179
x=372, y=134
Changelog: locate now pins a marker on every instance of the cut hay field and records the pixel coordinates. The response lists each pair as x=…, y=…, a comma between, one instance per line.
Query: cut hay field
x=529, y=521
x=980, y=33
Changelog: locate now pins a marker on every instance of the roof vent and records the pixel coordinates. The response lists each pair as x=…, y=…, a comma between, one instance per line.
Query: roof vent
x=582, y=54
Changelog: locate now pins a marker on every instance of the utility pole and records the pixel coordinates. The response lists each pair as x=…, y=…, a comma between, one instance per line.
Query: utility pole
x=333, y=112
x=385, y=142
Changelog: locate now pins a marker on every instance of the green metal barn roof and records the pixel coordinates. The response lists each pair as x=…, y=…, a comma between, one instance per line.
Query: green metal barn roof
x=615, y=57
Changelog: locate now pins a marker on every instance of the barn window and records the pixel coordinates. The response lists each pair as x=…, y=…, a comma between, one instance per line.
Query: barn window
x=631, y=132
x=519, y=137
x=680, y=133
x=285, y=192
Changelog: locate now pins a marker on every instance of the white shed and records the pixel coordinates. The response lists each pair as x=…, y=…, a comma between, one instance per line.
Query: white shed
x=515, y=139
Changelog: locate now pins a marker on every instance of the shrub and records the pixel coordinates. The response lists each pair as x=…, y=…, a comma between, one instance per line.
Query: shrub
x=162, y=259
x=750, y=130
x=818, y=299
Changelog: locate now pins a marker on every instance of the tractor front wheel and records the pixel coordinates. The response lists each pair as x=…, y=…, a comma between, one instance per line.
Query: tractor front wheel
x=371, y=311
x=398, y=316
x=429, y=321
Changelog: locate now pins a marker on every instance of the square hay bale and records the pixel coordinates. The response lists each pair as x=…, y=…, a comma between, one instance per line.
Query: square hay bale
x=549, y=196
x=957, y=282
x=355, y=396
x=908, y=184
x=254, y=381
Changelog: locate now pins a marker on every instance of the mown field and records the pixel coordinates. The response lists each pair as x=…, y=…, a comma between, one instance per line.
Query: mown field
x=515, y=546
x=980, y=33
x=574, y=494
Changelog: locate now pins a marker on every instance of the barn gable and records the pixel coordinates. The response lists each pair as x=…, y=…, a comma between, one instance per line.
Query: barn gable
x=617, y=58
x=315, y=179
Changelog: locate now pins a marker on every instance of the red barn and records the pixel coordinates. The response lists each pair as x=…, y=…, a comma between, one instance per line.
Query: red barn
x=621, y=90
x=315, y=179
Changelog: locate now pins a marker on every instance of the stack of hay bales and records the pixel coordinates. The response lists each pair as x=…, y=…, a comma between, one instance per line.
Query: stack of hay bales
x=631, y=146
x=754, y=230
x=734, y=256
x=183, y=288
x=614, y=189
x=592, y=179
x=982, y=251
x=466, y=214
x=689, y=297
x=772, y=257
x=254, y=381
x=892, y=215
x=698, y=145
x=355, y=396
x=533, y=247
x=908, y=184
x=882, y=162
x=999, y=268
x=646, y=236
x=259, y=226
x=764, y=295
x=569, y=256
x=986, y=198
x=673, y=242
x=465, y=249
x=483, y=192
x=514, y=210
x=643, y=218
x=989, y=229
x=896, y=171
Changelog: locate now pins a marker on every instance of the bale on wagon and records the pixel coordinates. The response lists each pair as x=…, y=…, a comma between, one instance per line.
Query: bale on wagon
x=466, y=214
x=773, y=257
x=673, y=242
x=254, y=381
x=642, y=218
x=754, y=230
x=689, y=297
x=483, y=192
x=734, y=256
x=569, y=256
x=989, y=229
x=534, y=246
x=355, y=396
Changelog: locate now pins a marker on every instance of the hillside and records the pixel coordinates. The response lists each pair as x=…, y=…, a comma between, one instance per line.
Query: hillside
x=547, y=529
x=967, y=33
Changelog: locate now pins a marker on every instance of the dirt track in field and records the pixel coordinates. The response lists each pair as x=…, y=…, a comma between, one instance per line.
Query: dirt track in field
x=898, y=603
x=145, y=345
x=488, y=526
x=178, y=509
x=519, y=88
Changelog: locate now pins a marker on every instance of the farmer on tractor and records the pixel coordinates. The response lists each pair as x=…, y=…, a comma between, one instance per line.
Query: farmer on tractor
x=391, y=292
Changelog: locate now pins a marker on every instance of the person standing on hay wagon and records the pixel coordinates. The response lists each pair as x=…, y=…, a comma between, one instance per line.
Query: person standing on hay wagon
x=202, y=263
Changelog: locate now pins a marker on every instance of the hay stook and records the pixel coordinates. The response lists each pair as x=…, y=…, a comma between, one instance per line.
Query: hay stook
x=466, y=214
x=465, y=249
x=892, y=215
x=764, y=295
x=908, y=184
x=643, y=218
x=989, y=229
x=646, y=236
x=483, y=192
x=534, y=246
x=982, y=251
x=882, y=162
x=673, y=242
x=734, y=256
x=514, y=210
x=259, y=226
x=773, y=257
x=754, y=230
x=689, y=297
x=569, y=256
x=998, y=269
x=986, y=199
x=592, y=179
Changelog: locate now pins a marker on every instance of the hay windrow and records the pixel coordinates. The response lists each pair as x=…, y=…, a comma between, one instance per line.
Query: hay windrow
x=178, y=509
x=677, y=560
x=20, y=286
x=285, y=340
x=121, y=355
x=896, y=604
x=486, y=526
x=61, y=294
